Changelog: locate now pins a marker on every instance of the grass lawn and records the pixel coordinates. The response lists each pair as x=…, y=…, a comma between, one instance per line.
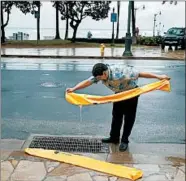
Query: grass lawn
x=56, y=44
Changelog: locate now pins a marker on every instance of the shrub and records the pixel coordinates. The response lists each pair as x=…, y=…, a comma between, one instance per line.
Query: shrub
x=149, y=41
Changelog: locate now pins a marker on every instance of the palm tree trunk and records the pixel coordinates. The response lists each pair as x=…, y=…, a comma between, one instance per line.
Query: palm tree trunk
x=57, y=20
x=118, y=9
x=67, y=24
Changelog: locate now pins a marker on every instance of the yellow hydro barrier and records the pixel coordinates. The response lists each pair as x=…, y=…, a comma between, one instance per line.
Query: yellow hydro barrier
x=84, y=99
x=86, y=162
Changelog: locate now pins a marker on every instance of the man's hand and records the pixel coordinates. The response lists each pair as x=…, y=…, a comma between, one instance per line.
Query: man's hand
x=151, y=75
x=69, y=90
x=161, y=77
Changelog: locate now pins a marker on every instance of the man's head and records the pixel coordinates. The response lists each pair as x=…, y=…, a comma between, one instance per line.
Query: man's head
x=100, y=71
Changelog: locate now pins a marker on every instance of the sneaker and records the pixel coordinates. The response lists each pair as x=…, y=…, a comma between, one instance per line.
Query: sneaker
x=123, y=146
x=110, y=140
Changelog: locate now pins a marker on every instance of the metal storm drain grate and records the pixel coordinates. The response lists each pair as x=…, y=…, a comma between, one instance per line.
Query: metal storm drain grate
x=70, y=144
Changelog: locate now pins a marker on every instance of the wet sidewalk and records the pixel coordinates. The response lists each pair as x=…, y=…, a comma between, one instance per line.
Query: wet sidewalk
x=159, y=162
x=138, y=52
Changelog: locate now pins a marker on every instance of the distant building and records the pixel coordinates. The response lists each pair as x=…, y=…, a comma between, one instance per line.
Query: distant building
x=19, y=36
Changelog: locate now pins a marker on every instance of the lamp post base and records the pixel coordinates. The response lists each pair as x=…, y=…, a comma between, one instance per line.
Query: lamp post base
x=128, y=42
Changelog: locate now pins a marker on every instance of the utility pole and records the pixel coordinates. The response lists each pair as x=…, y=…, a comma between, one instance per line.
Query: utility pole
x=154, y=24
x=118, y=8
x=113, y=28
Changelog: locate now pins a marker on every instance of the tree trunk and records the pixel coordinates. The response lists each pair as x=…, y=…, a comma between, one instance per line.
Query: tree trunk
x=57, y=20
x=118, y=11
x=74, y=33
x=74, y=27
x=66, y=32
x=2, y=27
x=38, y=22
x=67, y=24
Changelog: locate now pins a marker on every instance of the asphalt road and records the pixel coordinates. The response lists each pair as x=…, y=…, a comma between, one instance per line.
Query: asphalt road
x=33, y=101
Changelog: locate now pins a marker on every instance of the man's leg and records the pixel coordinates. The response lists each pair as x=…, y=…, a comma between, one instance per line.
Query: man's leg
x=130, y=116
x=117, y=119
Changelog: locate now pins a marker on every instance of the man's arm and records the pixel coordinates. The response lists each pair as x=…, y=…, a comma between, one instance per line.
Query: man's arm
x=80, y=85
x=151, y=75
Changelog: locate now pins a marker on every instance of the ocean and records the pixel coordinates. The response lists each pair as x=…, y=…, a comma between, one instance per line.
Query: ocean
x=49, y=33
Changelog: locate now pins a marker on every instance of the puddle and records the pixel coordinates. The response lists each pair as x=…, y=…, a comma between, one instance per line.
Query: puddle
x=52, y=84
x=49, y=97
x=176, y=161
x=18, y=92
x=175, y=66
x=5, y=90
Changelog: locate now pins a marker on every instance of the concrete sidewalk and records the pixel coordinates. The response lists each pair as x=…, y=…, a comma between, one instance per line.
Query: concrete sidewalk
x=138, y=52
x=159, y=162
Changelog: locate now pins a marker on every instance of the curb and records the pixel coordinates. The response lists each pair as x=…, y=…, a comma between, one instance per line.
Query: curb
x=90, y=57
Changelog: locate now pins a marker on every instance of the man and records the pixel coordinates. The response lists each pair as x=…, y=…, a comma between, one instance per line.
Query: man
x=118, y=78
x=137, y=31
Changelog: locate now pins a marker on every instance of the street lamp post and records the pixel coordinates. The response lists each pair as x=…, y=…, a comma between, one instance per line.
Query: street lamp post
x=159, y=30
x=128, y=38
x=135, y=10
x=155, y=23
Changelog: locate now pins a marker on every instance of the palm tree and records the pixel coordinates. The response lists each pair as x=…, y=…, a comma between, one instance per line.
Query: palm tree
x=57, y=20
x=118, y=12
x=66, y=32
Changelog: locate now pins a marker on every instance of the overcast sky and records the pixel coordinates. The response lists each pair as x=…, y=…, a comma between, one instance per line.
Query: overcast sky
x=172, y=15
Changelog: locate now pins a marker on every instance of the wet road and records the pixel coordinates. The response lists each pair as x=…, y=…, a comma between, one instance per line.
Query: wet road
x=33, y=101
x=137, y=51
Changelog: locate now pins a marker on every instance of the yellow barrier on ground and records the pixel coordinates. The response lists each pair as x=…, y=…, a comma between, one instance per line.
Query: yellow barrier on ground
x=86, y=162
x=84, y=99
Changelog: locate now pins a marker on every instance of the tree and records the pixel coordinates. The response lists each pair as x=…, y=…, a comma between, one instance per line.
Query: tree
x=35, y=9
x=67, y=22
x=6, y=6
x=175, y=2
x=32, y=7
x=79, y=10
x=56, y=5
x=64, y=7
x=118, y=12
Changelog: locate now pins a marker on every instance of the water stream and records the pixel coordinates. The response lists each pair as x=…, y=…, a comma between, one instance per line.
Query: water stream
x=80, y=113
